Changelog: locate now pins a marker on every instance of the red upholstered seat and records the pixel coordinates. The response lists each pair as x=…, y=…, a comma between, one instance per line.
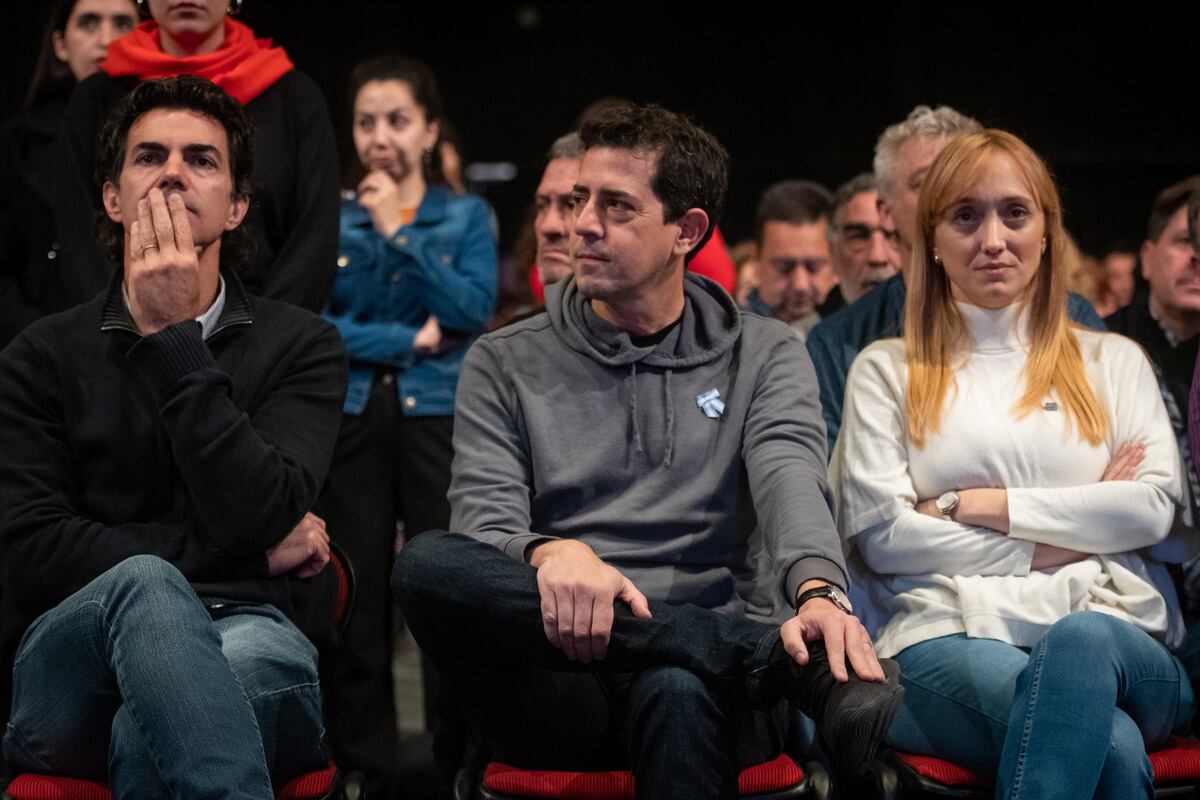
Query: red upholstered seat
x=1178, y=761
x=47, y=787
x=309, y=786
x=771, y=776
x=944, y=772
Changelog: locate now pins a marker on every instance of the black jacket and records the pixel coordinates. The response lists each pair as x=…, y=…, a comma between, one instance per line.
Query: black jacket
x=1176, y=364
x=293, y=218
x=205, y=453
x=29, y=283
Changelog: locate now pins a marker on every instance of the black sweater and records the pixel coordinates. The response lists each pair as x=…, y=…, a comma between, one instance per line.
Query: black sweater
x=205, y=453
x=293, y=217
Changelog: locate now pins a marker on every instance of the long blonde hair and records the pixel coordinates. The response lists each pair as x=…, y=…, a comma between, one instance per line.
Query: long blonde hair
x=934, y=330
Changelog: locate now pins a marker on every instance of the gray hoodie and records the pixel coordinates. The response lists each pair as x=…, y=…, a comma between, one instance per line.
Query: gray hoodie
x=564, y=428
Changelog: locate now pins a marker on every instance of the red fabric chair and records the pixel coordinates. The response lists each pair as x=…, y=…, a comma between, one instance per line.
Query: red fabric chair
x=1176, y=774
x=324, y=784
x=772, y=780
x=313, y=786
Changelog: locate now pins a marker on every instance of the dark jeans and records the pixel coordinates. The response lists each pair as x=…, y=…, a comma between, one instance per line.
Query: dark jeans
x=676, y=699
x=386, y=467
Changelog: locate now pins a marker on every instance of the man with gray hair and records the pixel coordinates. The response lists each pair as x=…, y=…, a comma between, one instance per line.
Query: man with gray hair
x=903, y=155
x=862, y=249
x=554, y=220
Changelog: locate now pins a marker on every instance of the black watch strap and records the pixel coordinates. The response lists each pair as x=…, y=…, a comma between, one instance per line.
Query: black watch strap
x=830, y=593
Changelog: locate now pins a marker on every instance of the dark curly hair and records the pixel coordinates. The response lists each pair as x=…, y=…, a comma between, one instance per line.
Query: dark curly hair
x=693, y=167
x=187, y=93
x=424, y=87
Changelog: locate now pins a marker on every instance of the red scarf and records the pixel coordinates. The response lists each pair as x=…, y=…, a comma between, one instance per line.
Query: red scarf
x=243, y=66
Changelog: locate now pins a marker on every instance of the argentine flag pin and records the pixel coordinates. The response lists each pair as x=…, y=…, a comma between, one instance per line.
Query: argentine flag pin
x=710, y=403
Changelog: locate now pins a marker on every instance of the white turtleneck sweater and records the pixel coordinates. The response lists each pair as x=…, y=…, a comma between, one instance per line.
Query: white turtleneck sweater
x=921, y=577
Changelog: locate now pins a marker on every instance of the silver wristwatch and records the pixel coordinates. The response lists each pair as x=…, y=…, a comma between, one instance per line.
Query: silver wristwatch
x=946, y=505
x=830, y=593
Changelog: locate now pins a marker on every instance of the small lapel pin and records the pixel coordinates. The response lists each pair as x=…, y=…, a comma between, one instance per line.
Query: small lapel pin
x=710, y=404
x=1050, y=405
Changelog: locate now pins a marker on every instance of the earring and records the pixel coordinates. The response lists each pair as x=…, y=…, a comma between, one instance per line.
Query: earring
x=937, y=259
x=235, y=7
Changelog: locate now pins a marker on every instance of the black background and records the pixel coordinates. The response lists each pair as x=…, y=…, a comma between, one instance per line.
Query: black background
x=1112, y=101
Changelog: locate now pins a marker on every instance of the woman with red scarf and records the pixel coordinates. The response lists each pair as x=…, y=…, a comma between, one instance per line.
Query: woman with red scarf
x=293, y=216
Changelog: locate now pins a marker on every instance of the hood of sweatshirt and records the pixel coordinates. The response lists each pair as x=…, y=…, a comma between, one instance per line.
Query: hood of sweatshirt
x=709, y=326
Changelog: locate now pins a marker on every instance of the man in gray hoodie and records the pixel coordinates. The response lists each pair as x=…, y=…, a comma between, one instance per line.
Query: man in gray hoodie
x=649, y=562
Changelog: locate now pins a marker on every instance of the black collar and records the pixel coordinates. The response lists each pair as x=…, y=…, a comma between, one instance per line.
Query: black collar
x=239, y=308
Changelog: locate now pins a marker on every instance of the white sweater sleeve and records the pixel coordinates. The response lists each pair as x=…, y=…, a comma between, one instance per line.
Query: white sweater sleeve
x=1112, y=516
x=875, y=492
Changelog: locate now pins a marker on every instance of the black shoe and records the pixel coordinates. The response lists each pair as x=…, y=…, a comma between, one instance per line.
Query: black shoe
x=852, y=717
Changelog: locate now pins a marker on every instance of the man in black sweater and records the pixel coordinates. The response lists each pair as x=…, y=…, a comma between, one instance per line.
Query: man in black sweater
x=162, y=577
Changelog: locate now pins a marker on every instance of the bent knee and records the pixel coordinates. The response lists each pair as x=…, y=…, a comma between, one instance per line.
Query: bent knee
x=147, y=568
x=1085, y=631
x=428, y=564
x=147, y=577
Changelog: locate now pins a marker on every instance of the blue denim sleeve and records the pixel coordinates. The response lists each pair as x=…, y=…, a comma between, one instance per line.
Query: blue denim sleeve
x=385, y=343
x=462, y=294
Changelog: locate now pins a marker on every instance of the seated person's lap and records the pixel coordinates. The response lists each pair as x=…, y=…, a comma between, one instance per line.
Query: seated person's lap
x=65, y=695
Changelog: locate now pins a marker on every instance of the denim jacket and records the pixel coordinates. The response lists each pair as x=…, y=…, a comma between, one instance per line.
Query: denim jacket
x=442, y=264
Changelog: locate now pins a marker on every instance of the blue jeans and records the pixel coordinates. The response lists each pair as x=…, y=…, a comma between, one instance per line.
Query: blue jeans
x=1073, y=718
x=670, y=701
x=133, y=679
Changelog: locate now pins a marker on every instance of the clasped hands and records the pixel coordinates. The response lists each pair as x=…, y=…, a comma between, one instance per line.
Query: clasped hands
x=987, y=507
x=578, y=591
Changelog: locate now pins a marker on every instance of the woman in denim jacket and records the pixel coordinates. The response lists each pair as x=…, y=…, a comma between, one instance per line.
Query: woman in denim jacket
x=416, y=283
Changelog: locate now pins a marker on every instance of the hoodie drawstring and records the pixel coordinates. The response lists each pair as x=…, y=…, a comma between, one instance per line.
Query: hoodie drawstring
x=633, y=413
x=670, y=419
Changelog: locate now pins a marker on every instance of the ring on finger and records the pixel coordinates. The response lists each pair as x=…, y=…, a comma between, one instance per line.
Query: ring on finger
x=149, y=247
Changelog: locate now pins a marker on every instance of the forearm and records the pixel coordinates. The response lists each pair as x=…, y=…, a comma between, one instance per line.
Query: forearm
x=387, y=343
x=251, y=476
x=784, y=451
x=490, y=489
x=50, y=552
x=977, y=508
x=917, y=544
x=1108, y=517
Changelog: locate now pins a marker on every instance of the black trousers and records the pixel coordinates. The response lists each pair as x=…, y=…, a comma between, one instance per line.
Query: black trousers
x=677, y=699
x=386, y=467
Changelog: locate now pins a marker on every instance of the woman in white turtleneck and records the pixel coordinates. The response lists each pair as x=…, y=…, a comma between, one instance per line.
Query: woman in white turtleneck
x=1008, y=481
